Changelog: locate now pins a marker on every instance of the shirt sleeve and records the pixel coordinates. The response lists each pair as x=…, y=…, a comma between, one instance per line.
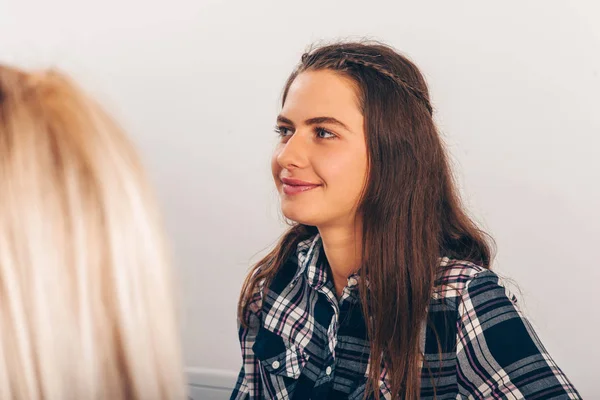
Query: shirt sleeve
x=498, y=353
x=248, y=385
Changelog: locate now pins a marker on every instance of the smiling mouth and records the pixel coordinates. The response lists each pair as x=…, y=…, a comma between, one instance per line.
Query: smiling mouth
x=293, y=186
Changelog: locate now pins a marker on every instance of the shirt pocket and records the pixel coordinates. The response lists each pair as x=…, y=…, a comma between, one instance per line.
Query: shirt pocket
x=278, y=357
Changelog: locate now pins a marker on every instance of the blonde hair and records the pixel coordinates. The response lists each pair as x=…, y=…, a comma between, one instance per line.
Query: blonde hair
x=86, y=297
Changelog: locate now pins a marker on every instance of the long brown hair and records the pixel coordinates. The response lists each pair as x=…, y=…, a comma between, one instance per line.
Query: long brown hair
x=411, y=210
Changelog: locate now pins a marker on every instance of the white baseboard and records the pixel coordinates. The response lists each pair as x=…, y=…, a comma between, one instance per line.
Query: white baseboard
x=202, y=393
x=215, y=379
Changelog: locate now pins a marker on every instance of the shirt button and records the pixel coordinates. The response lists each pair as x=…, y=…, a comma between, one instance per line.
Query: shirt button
x=328, y=371
x=275, y=364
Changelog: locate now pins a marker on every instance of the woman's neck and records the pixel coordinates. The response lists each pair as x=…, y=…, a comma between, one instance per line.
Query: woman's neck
x=343, y=248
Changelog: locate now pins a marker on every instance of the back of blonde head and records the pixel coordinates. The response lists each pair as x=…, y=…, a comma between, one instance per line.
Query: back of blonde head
x=86, y=299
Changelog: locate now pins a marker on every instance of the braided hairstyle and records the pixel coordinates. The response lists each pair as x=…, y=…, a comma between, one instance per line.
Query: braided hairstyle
x=345, y=57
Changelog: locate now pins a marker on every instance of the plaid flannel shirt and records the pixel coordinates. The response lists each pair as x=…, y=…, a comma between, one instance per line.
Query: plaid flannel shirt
x=305, y=343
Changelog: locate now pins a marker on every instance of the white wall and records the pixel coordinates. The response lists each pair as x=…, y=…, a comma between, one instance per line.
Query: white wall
x=197, y=83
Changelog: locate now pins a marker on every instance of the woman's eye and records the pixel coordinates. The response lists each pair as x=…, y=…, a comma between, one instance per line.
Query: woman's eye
x=324, y=134
x=283, y=131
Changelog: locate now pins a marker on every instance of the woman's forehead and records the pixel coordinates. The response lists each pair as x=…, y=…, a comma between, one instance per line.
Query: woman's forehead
x=324, y=92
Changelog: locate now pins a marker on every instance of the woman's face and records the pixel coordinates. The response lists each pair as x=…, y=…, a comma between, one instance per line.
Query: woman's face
x=320, y=163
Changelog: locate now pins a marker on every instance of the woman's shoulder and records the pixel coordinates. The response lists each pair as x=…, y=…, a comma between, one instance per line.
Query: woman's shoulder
x=457, y=277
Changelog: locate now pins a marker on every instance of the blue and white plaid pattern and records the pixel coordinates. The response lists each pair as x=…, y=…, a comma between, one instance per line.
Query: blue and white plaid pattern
x=304, y=343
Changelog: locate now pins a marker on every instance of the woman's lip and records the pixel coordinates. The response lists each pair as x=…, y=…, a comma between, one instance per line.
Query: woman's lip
x=296, y=189
x=297, y=182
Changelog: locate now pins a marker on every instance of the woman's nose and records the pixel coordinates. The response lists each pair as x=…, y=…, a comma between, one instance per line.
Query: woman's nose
x=294, y=153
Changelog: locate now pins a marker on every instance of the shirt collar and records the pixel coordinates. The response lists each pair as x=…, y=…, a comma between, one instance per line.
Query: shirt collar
x=312, y=263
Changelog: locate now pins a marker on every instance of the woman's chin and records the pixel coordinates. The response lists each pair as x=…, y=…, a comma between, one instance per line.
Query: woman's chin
x=300, y=216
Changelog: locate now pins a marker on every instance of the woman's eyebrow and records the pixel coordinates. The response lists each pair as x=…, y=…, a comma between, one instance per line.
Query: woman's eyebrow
x=314, y=121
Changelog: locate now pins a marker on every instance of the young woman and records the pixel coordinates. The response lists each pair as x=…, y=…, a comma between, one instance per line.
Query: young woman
x=86, y=304
x=382, y=287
